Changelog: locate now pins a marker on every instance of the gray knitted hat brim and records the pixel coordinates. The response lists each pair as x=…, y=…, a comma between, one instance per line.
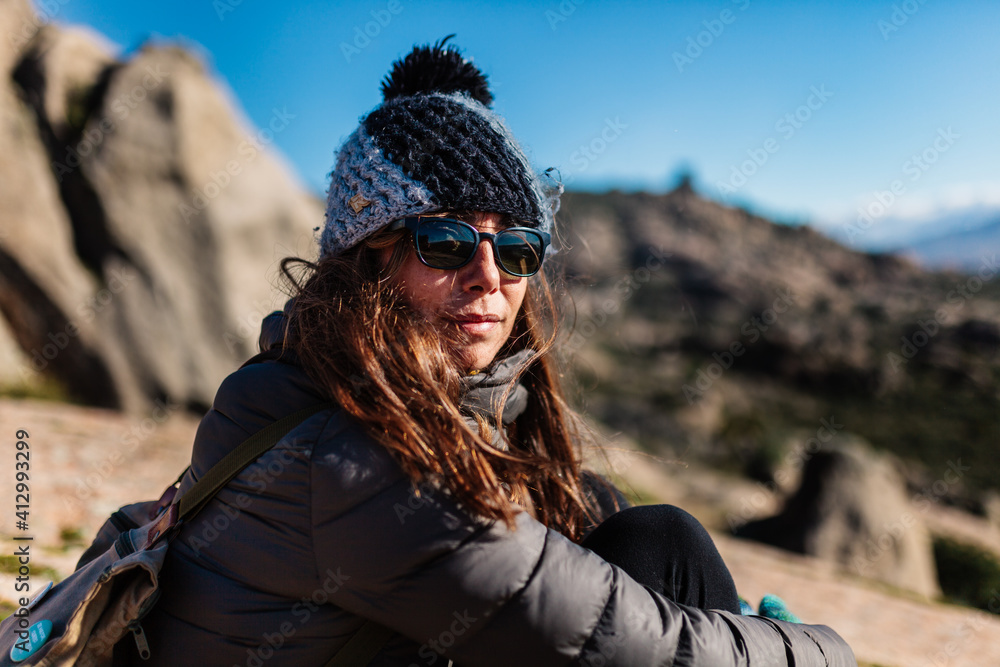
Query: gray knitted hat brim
x=381, y=192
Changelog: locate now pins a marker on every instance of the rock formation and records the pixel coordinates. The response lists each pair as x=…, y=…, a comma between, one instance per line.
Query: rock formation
x=851, y=508
x=142, y=222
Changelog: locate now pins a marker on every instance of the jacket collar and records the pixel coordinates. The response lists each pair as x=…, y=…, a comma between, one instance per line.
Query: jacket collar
x=484, y=391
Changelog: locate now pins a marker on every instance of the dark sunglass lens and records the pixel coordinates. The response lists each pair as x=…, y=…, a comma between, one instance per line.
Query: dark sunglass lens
x=444, y=244
x=520, y=252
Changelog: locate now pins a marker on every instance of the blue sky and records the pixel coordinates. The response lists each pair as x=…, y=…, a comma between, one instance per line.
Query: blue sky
x=805, y=111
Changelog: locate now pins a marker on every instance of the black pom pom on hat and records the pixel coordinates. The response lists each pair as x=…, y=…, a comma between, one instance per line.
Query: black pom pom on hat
x=436, y=69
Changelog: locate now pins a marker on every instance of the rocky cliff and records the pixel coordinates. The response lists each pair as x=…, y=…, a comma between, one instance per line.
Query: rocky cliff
x=141, y=220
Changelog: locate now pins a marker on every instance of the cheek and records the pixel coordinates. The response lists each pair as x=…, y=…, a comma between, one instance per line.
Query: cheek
x=516, y=294
x=426, y=289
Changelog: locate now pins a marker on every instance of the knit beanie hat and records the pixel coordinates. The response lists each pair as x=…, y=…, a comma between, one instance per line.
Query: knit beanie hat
x=433, y=144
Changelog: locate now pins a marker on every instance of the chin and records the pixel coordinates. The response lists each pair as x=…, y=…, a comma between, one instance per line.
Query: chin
x=476, y=358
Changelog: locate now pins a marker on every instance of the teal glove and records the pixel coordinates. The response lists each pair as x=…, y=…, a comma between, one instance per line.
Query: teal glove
x=771, y=606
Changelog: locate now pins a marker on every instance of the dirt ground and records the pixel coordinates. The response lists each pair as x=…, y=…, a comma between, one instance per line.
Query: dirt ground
x=85, y=463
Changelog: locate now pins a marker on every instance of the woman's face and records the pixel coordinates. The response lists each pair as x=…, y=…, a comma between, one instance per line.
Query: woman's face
x=479, y=299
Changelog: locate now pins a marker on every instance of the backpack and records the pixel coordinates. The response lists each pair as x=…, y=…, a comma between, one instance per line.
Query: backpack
x=80, y=620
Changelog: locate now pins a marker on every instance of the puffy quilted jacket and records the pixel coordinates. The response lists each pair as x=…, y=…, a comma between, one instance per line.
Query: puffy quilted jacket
x=325, y=530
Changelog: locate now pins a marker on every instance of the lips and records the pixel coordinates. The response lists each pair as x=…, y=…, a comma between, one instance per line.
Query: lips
x=474, y=323
x=473, y=317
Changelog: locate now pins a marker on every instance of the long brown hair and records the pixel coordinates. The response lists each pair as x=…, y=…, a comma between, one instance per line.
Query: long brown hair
x=395, y=373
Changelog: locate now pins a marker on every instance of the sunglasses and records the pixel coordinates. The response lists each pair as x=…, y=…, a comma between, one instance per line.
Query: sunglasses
x=444, y=243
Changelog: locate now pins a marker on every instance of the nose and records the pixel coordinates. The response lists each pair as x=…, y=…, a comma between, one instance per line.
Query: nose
x=482, y=273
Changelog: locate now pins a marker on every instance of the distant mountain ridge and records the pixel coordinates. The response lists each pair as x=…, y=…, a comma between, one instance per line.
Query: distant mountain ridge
x=955, y=238
x=962, y=250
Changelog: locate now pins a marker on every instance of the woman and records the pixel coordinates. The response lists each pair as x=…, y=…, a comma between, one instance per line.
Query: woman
x=442, y=498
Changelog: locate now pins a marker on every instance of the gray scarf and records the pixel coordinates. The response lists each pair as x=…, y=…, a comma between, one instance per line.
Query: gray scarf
x=484, y=391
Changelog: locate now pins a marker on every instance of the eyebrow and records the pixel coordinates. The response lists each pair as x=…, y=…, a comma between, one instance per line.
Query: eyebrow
x=471, y=217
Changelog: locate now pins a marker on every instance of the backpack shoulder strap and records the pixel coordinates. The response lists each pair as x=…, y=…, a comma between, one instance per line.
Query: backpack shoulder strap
x=239, y=458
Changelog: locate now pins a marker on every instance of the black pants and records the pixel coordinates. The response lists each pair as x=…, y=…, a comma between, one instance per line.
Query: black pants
x=665, y=549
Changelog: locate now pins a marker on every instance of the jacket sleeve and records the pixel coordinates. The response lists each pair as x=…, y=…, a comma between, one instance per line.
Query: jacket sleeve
x=480, y=594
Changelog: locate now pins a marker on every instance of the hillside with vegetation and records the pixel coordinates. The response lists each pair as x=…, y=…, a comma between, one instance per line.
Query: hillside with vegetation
x=709, y=333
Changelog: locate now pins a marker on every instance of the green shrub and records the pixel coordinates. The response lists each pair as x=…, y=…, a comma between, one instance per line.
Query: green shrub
x=6, y=609
x=967, y=574
x=47, y=389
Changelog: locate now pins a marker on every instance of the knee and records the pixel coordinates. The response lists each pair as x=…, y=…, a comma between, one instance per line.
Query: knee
x=655, y=515
x=655, y=522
